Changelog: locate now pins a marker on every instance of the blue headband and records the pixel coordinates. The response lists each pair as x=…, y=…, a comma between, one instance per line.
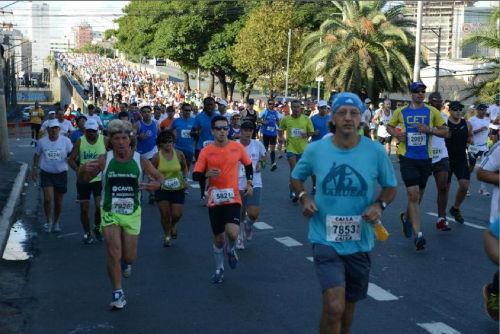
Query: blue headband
x=347, y=99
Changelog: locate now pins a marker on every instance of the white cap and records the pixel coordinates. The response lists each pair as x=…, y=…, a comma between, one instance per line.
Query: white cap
x=52, y=112
x=322, y=103
x=367, y=100
x=222, y=102
x=53, y=123
x=91, y=124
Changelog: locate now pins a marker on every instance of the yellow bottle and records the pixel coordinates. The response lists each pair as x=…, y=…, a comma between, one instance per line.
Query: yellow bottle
x=380, y=231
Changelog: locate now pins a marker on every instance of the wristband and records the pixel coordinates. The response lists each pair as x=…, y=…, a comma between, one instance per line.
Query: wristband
x=302, y=194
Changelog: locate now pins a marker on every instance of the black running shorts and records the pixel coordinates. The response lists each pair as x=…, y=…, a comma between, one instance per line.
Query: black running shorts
x=415, y=172
x=221, y=215
x=460, y=169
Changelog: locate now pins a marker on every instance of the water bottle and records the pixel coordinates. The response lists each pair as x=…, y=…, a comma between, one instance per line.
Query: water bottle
x=380, y=231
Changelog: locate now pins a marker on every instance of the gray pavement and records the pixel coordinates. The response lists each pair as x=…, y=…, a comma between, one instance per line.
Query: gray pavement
x=274, y=288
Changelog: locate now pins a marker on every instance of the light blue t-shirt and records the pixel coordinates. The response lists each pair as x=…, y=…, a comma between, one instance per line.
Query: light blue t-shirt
x=346, y=181
x=204, y=121
x=494, y=228
x=320, y=123
x=182, y=127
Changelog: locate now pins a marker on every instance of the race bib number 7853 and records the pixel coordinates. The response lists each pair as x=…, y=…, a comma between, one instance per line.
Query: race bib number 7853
x=343, y=228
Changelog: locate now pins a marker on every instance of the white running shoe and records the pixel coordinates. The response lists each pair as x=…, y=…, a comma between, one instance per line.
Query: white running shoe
x=484, y=192
x=118, y=300
x=57, y=228
x=240, y=244
x=126, y=270
x=47, y=227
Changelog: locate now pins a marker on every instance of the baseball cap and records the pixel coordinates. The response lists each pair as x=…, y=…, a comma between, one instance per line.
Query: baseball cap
x=222, y=102
x=416, y=85
x=322, y=103
x=456, y=105
x=53, y=123
x=347, y=99
x=91, y=124
x=52, y=112
x=247, y=125
x=481, y=106
x=367, y=100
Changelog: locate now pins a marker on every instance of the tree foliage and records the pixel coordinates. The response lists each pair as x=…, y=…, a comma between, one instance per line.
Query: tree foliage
x=97, y=49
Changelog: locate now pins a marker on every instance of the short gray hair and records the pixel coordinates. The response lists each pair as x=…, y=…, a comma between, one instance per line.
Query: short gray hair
x=119, y=126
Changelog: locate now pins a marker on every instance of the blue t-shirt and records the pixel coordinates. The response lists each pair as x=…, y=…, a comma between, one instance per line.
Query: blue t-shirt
x=494, y=228
x=346, y=183
x=270, y=125
x=182, y=128
x=204, y=121
x=233, y=133
x=105, y=119
x=320, y=123
x=149, y=143
x=75, y=135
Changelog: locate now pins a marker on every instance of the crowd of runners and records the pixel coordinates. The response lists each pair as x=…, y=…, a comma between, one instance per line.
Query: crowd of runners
x=132, y=152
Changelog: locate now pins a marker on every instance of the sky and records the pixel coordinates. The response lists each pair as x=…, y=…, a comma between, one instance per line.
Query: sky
x=65, y=14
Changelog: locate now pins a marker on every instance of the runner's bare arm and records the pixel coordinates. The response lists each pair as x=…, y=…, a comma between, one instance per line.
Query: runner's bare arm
x=34, y=167
x=182, y=161
x=309, y=206
x=91, y=169
x=155, y=160
x=487, y=176
x=75, y=152
x=156, y=179
x=469, y=133
x=373, y=213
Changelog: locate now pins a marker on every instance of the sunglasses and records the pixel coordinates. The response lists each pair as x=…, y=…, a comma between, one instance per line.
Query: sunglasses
x=167, y=141
x=91, y=131
x=220, y=128
x=419, y=92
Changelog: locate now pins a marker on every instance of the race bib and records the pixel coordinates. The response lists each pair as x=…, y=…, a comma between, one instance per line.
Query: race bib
x=343, y=228
x=475, y=149
x=207, y=142
x=436, y=153
x=53, y=155
x=241, y=170
x=123, y=206
x=220, y=196
x=172, y=183
x=296, y=133
x=186, y=133
x=270, y=128
x=417, y=139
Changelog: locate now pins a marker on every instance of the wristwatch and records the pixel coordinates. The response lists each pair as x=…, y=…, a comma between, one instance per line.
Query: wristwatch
x=383, y=204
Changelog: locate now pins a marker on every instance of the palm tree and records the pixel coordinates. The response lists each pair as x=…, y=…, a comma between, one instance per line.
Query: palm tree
x=365, y=50
x=485, y=90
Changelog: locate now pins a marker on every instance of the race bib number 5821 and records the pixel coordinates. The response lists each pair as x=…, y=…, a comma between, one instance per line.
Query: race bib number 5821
x=343, y=228
x=220, y=196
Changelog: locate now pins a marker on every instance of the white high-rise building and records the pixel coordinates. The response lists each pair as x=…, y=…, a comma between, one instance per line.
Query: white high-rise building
x=40, y=33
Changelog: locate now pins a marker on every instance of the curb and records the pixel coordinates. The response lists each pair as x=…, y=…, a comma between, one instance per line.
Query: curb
x=8, y=210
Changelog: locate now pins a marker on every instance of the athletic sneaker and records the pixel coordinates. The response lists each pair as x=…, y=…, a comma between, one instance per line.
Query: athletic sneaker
x=274, y=166
x=126, y=270
x=167, y=242
x=407, y=228
x=484, y=192
x=457, y=215
x=240, y=244
x=218, y=276
x=490, y=303
x=442, y=225
x=97, y=233
x=57, y=228
x=232, y=258
x=248, y=230
x=47, y=227
x=173, y=231
x=203, y=201
x=88, y=239
x=118, y=300
x=468, y=193
x=420, y=242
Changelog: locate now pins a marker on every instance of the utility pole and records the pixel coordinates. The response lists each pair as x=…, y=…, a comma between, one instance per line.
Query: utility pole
x=438, y=59
x=4, y=144
x=288, y=61
x=418, y=39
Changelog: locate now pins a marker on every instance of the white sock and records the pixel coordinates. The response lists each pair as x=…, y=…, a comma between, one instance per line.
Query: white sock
x=218, y=257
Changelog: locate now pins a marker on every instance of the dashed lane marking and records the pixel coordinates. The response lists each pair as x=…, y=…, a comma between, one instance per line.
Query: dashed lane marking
x=195, y=185
x=438, y=328
x=262, y=226
x=479, y=227
x=310, y=258
x=380, y=294
x=289, y=242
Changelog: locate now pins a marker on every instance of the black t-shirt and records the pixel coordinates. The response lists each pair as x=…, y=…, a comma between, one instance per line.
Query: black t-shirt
x=457, y=143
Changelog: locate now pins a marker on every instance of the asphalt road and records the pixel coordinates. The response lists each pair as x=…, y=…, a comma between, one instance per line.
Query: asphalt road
x=273, y=290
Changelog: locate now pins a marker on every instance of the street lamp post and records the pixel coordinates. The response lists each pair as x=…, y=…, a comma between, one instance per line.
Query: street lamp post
x=438, y=54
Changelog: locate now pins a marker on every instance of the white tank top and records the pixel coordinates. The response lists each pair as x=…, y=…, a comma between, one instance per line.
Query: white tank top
x=439, y=150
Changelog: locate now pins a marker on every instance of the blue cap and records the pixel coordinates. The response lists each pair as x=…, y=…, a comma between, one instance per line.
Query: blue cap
x=416, y=85
x=347, y=99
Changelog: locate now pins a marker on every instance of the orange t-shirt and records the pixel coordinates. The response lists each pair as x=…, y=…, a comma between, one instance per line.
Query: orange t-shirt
x=223, y=189
x=165, y=124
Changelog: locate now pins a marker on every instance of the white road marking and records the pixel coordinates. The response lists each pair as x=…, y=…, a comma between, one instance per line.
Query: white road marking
x=310, y=258
x=66, y=235
x=287, y=241
x=438, y=328
x=479, y=227
x=195, y=185
x=380, y=294
x=262, y=226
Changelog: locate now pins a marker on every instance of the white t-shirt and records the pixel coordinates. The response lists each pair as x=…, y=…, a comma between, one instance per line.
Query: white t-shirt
x=491, y=163
x=53, y=154
x=366, y=117
x=480, y=138
x=493, y=111
x=96, y=118
x=382, y=128
x=439, y=151
x=255, y=151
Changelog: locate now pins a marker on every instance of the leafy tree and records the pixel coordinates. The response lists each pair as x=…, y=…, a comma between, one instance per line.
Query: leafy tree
x=97, y=49
x=364, y=50
x=485, y=90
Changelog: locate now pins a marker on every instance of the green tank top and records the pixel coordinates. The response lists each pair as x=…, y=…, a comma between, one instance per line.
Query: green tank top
x=89, y=152
x=171, y=171
x=121, y=194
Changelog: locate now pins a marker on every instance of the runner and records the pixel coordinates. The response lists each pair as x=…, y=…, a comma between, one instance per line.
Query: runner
x=270, y=123
x=167, y=122
x=418, y=123
x=36, y=116
x=219, y=162
x=488, y=172
x=203, y=131
x=494, y=114
x=440, y=167
x=459, y=134
x=121, y=171
x=171, y=163
x=320, y=123
x=382, y=118
x=80, y=129
x=50, y=156
x=182, y=127
x=87, y=148
x=65, y=126
x=92, y=115
x=146, y=131
x=479, y=147
x=250, y=114
x=297, y=128
x=234, y=128
x=106, y=117
x=250, y=204
x=342, y=213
